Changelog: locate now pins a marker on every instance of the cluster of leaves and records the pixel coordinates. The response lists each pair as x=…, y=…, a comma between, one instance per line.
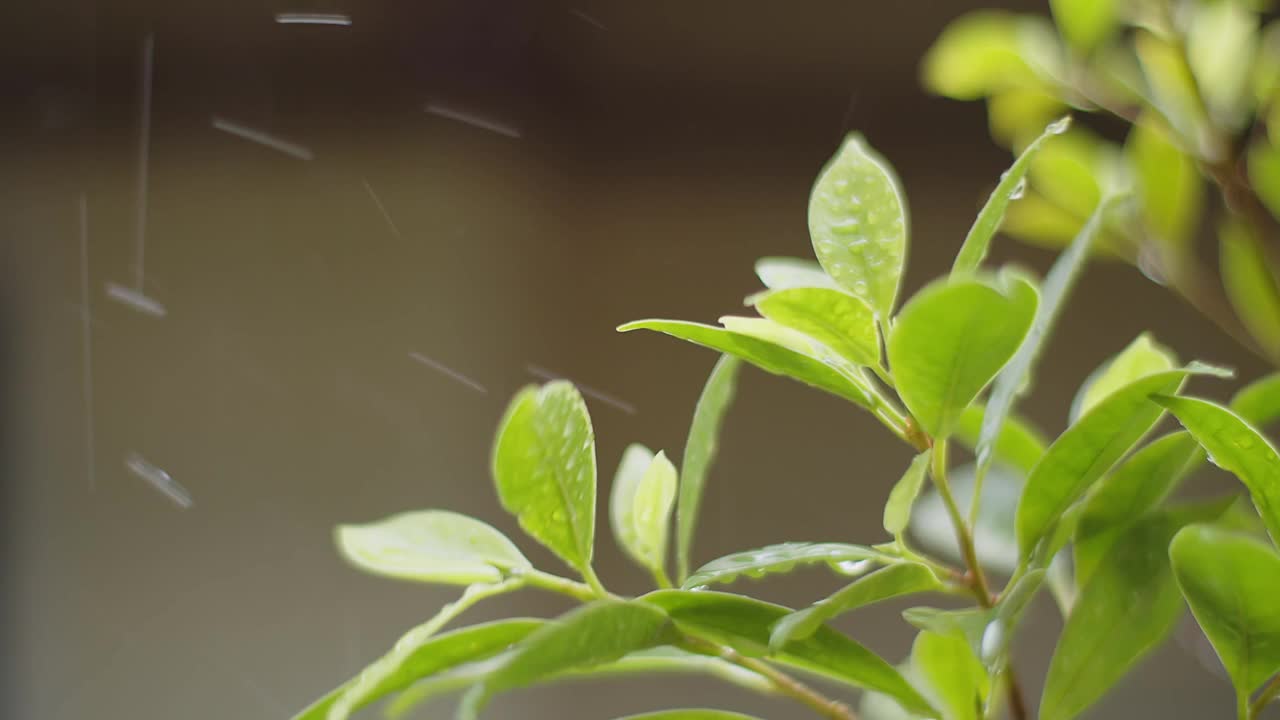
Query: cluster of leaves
x=945, y=369
x=1196, y=82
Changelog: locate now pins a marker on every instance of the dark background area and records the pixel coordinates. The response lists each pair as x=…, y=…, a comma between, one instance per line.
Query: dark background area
x=663, y=147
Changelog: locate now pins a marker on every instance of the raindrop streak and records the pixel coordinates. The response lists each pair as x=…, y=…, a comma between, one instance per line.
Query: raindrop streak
x=545, y=374
x=86, y=340
x=262, y=138
x=160, y=480
x=449, y=372
x=476, y=121
x=313, y=19
x=135, y=297
x=587, y=19
x=382, y=209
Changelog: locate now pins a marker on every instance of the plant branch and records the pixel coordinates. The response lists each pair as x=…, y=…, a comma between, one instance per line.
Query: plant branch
x=1269, y=692
x=784, y=683
x=581, y=592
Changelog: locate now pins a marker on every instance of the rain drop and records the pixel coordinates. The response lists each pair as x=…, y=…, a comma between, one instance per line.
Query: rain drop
x=1019, y=190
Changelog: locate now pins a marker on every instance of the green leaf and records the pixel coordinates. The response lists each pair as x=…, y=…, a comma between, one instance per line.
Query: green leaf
x=1012, y=182
x=1128, y=607
x=783, y=558
x=1085, y=23
x=784, y=273
x=764, y=355
x=1250, y=285
x=1231, y=583
x=1017, y=375
x=1069, y=170
x=1170, y=191
x=595, y=634
x=640, y=506
x=700, y=452
x=956, y=678
x=1143, y=481
x=1264, y=174
x=1258, y=403
x=1141, y=358
x=769, y=331
x=1237, y=448
x=889, y=582
x=689, y=714
x=1017, y=117
x=1172, y=83
x=969, y=623
x=858, y=224
x=993, y=535
x=897, y=511
x=951, y=339
x=1222, y=41
x=417, y=655
x=1080, y=456
x=978, y=54
x=431, y=546
x=544, y=465
x=1018, y=445
x=835, y=319
x=743, y=624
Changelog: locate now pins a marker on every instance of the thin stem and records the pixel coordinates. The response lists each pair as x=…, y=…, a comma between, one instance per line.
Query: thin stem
x=978, y=581
x=554, y=583
x=662, y=579
x=589, y=574
x=785, y=684
x=1269, y=692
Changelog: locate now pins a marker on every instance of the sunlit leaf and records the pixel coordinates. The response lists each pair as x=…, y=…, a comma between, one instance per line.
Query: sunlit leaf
x=1036, y=220
x=1127, y=608
x=640, y=505
x=1250, y=284
x=835, y=319
x=1141, y=358
x=764, y=355
x=1139, y=484
x=1231, y=583
x=1017, y=117
x=978, y=54
x=417, y=655
x=1018, y=445
x=1085, y=23
x=858, y=224
x=1068, y=172
x=1012, y=183
x=784, y=273
x=897, y=511
x=1222, y=40
x=595, y=634
x=774, y=333
x=889, y=582
x=1172, y=84
x=1080, y=456
x=955, y=678
x=743, y=624
x=700, y=452
x=1237, y=448
x=783, y=558
x=544, y=465
x=430, y=546
x=1169, y=189
x=951, y=339
x=993, y=535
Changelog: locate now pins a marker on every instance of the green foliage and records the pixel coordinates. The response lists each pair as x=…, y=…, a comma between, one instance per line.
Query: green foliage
x=1097, y=491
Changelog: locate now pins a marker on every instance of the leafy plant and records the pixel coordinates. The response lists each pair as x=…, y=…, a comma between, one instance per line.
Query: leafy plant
x=943, y=373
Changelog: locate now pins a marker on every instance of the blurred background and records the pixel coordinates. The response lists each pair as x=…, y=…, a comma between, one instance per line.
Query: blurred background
x=364, y=239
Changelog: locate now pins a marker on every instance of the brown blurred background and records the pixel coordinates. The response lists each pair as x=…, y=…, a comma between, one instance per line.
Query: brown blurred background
x=662, y=147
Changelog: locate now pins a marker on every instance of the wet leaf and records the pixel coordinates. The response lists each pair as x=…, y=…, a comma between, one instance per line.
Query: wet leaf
x=764, y=355
x=700, y=452
x=1012, y=183
x=743, y=624
x=897, y=511
x=430, y=546
x=419, y=654
x=889, y=582
x=783, y=558
x=1250, y=285
x=951, y=339
x=1141, y=358
x=1237, y=448
x=595, y=634
x=640, y=506
x=858, y=224
x=544, y=465
x=1231, y=582
x=835, y=319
